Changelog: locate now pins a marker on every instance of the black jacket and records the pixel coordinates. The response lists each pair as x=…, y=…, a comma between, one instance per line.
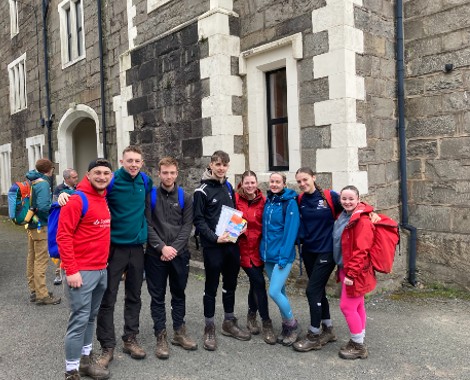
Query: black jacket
x=209, y=198
x=168, y=224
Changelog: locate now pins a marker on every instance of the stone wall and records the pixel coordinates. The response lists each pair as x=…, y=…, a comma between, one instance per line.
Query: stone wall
x=438, y=134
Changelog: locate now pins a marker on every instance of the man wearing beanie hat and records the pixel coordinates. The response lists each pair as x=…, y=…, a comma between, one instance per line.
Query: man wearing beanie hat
x=83, y=241
x=38, y=256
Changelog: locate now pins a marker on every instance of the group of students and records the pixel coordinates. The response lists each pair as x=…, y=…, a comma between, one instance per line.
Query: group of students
x=130, y=226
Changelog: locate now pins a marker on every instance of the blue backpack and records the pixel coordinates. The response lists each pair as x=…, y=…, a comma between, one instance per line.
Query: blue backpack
x=53, y=223
x=153, y=197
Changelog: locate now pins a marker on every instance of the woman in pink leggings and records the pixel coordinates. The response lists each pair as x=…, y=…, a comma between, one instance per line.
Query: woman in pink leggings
x=353, y=236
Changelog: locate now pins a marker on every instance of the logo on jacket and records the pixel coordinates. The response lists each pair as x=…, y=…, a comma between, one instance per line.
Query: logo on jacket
x=214, y=200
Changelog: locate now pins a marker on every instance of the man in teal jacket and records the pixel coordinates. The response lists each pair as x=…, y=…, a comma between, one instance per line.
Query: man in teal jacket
x=38, y=255
x=126, y=200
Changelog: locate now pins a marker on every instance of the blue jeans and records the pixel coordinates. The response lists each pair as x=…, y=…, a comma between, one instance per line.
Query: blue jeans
x=84, y=305
x=277, y=291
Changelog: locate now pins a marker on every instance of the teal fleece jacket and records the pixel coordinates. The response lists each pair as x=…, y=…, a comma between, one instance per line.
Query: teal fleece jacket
x=42, y=197
x=126, y=201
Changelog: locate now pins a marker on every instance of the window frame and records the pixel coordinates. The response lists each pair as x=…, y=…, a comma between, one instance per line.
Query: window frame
x=72, y=31
x=17, y=78
x=5, y=168
x=35, y=148
x=14, y=25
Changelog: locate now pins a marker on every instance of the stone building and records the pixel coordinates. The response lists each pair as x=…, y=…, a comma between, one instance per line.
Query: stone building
x=277, y=84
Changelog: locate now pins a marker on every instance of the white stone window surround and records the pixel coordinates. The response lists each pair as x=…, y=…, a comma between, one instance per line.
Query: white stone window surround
x=75, y=8
x=254, y=63
x=17, y=77
x=14, y=28
x=154, y=4
x=34, y=146
x=5, y=168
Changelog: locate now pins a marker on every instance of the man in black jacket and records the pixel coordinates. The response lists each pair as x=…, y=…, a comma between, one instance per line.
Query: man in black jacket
x=221, y=256
x=170, y=217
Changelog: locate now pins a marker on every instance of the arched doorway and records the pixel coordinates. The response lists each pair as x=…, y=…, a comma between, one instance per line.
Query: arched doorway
x=78, y=140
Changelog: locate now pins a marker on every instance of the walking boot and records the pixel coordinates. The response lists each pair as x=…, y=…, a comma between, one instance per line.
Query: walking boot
x=107, y=355
x=49, y=300
x=327, y=334
x=72, y=375
x=230, y=328
x=132, y=348
x=162, y=351
x=268, y=333
x=89, y=366
x=210, y=344
x=292, y=335
x=282, y=334
x=181, y=338
x=252, y=324
x=354, y=350
x=32, y=297
x=310, y=342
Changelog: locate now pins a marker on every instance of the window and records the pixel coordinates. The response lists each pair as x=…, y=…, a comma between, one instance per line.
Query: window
x=17, y=76
x=14, y=18
x=278, y=141
x=5, y=168
x=72, y=36
x=34, y=146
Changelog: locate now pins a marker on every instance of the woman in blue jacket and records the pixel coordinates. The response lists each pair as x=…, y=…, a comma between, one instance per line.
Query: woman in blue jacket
x=281, y=222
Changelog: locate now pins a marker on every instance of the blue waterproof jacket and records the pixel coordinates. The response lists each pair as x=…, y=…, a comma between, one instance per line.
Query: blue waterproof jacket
x=280, y=228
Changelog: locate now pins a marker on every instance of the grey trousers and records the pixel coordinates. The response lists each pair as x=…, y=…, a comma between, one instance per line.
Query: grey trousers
x=84, y=305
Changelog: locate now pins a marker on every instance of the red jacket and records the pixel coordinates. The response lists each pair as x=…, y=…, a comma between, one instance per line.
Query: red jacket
x=249, y=242
x=356, y=241
x=84, y=242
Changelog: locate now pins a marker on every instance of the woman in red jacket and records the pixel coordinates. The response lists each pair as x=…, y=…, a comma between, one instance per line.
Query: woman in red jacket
x=353, y=236
x=250, y=201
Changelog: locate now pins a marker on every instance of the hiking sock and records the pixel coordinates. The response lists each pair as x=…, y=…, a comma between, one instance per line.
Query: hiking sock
x=357, y=338
x=290, y=322
x=86, y=349
x=71, y=365
x=209, y=321
x=314, y=330
x=327, y=322
x=229, y=316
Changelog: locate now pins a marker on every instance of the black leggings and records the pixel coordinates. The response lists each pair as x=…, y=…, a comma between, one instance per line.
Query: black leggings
x=257, y=296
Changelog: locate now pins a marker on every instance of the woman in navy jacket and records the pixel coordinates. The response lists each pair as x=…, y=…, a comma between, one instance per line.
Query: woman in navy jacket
x=280, y=228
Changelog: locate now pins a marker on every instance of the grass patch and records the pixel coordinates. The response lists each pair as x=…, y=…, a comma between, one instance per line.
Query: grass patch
x=430, y=291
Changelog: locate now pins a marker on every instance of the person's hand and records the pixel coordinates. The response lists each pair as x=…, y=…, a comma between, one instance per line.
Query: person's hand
x=245, y=227
x=374, y=217
x=168, y=253
x=224, y=238
x=348, y=282
x=74, y=280
x=63, y=199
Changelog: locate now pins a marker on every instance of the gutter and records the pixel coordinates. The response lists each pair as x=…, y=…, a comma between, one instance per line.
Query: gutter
x=402, y=143
x=102, y=93
x=48, y=121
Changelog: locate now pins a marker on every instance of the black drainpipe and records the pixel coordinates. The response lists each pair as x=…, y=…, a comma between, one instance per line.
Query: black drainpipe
x=103, y=102
x=48, y=121
x=402, y=141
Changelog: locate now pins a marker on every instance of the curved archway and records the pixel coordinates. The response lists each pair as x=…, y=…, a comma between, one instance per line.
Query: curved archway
x=78, y=138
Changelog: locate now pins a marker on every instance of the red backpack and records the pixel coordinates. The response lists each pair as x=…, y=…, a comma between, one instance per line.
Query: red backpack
x=328, y=198
x=386, y=239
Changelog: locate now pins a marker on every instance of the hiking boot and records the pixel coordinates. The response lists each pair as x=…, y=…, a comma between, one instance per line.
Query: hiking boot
x=282, y=334
x=210, y=344
x=292, y=334
x=310, y=342
x=268, y=333
x=354, y=350
x=252, y=324
x=72, y=375
x=132, y=348
x=162, y=351
x=49, y=300
x=107, y=355
x=327, y=334
x=89, y=366
x=181, y=338
x=230, y=328
x=32, y=297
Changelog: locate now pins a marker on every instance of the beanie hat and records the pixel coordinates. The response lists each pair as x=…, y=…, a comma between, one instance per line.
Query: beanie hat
x=99, y=162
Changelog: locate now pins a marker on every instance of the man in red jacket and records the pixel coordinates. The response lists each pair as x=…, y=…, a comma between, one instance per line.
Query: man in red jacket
x=83, y=239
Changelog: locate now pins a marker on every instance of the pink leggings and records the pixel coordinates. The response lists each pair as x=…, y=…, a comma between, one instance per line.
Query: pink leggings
x=353, y=309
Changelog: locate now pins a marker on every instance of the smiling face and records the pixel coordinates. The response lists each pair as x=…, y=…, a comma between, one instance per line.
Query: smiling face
x=349, y=199
x=219, y=169
x=132, y=163
x=99, y=178
x=306, y=182
x=168, y=175
x=249, y=185
x=276, y=183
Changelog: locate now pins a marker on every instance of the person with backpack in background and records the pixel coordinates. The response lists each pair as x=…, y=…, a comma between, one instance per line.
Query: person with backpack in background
x=250, y=200
x=38, y=256
x=170, y=220
x=353, y=237
x=221, y=255
x=126, y=195
x=68, y=185
x=83, y=241
x=277, y=249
